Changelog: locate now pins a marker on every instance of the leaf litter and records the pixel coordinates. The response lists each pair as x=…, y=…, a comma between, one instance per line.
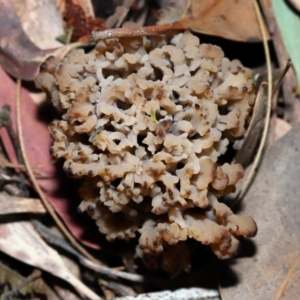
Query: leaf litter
x=21, y=57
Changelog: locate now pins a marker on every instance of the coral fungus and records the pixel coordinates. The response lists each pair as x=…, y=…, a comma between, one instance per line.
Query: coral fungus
x=144, y=124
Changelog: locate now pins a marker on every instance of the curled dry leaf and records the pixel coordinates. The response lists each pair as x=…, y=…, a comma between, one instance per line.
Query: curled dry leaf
x=19, y=56
x=36, y=18
x=37, y=143
x=234, y=20
x=253, y=134
x=20, y=240
x=273, y=271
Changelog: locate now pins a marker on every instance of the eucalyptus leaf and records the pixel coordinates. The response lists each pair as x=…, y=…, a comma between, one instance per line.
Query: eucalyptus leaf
x=95, y=133
x=289, y=24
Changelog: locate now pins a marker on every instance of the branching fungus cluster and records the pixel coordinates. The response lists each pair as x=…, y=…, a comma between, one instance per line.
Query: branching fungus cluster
x=144, y=124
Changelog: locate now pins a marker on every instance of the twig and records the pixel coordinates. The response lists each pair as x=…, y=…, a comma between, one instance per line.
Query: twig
x=36, y=186
x=268, y=110
x=54, y=239
x=111, y=272
x=134, y=31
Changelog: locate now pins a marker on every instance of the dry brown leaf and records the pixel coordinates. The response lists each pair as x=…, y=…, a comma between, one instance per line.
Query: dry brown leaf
x=273, y=272
x=20, y=240
x=253, y=134
x=18, y=55
x=86, y=5
x=12, y=205
x=36, y=18
x=230, y=19
x=78, y=24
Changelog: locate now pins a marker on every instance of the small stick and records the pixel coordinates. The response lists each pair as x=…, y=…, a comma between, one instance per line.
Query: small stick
x=134, y=31
x=111, y=272
x=53, y=239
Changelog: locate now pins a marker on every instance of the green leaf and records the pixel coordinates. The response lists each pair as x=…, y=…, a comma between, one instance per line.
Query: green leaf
x=95, y=133
x=152, y=115
x=289, y=24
